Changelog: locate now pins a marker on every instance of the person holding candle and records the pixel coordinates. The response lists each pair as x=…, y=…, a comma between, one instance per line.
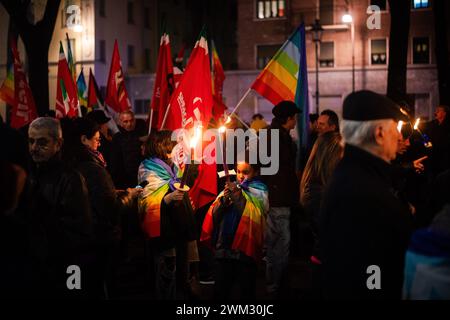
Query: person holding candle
x=439, y=132
x=234, y=228
x=167, y=217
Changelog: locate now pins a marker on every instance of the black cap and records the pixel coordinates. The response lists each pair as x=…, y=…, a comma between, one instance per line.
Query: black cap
x=285, y=109
x=98, y=116
x=367, y=105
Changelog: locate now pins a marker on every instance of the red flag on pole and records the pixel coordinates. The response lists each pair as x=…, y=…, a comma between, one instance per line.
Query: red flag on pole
x=24, y=109
x=164, y=82
x=65, y=106
x=218, y=77
x=116, y=93
x=192, y=100
x=192, y=103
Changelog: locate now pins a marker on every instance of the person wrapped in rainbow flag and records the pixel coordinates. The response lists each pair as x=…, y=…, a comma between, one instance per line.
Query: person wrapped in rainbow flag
x=167, y=217
x=234, y=229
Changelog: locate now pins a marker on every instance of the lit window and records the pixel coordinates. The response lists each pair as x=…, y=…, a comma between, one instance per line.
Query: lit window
x=419, y=4
x=326, y=59
x=378, y=51
x=421, y=50
x=270, y=9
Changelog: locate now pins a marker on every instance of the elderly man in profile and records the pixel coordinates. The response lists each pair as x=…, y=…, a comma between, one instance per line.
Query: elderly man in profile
x=62, y=226
x=365, y=228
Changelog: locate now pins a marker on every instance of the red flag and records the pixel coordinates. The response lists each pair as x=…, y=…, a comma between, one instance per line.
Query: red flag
x=218, y=77
x=24, y=108
x=164, y=82
x=66, y=95
x=192, y=99
x=94, y=98
x=190, y=103
x=116, y=93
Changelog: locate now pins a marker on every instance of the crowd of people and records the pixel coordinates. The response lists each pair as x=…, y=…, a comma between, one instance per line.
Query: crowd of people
x=372, y=189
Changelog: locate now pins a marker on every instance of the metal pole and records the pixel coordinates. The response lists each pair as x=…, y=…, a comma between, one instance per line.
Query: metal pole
x=353, y=55
x=317, y=77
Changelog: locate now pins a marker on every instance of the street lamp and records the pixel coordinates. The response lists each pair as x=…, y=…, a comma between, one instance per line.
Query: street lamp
x=347, y=18
x=317, y=30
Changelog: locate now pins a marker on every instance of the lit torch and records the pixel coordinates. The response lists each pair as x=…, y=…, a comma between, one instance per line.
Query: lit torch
x=400, y=126
x=222, y=131
x=193, y=144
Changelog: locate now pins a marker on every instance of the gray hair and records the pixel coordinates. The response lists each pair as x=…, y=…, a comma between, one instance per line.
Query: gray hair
x=52, y=125
x=361, y=133
x=129, y=112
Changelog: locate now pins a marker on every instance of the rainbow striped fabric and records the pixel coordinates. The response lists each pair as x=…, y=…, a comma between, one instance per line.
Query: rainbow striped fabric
x=7, y=88
x=279, y=79
x=250, y=231
x=160, y=178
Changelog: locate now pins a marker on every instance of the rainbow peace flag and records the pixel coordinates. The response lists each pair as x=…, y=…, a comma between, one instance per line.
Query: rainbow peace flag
x=160, y=178
x=7, y=88
x=286, y=78
x=279, y=79
x=249, y=235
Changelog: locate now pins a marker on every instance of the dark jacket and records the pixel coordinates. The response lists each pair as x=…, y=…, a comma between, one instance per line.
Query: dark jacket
x=362, y=224
x=125, y=158
x=105, y=201
x=284, y=185
x=440, y=138
x=61, y=225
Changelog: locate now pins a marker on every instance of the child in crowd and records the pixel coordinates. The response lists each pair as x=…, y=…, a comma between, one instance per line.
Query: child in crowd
x=234, y=227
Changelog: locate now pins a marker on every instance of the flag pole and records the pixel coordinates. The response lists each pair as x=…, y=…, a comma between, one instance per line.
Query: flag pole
x=150, y=121
x=165, y=117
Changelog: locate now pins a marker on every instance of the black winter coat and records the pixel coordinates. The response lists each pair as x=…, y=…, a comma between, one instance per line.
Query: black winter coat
x=362, y=224
x=125, y=159
x=105, y=201
x=284, y=185
x=62, y=221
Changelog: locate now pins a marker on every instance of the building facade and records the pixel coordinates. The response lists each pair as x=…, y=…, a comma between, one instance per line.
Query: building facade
x=247, y=33
x=272, y=22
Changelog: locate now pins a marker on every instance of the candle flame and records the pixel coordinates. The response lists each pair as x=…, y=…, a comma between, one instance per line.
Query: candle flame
x=399, y=126
x=222, y=129
x=416, y=125
x=197, y=136
x=228, y=120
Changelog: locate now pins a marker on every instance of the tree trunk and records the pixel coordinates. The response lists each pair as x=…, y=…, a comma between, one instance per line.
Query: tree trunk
x=398, y=49
x=36, y=39
x=441, y=49
x=38, y=75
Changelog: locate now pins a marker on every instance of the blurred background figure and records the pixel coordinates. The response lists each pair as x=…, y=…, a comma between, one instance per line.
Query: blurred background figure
x=258, y=122
x=325, y=155
x=327, y=121
x=439, y=132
